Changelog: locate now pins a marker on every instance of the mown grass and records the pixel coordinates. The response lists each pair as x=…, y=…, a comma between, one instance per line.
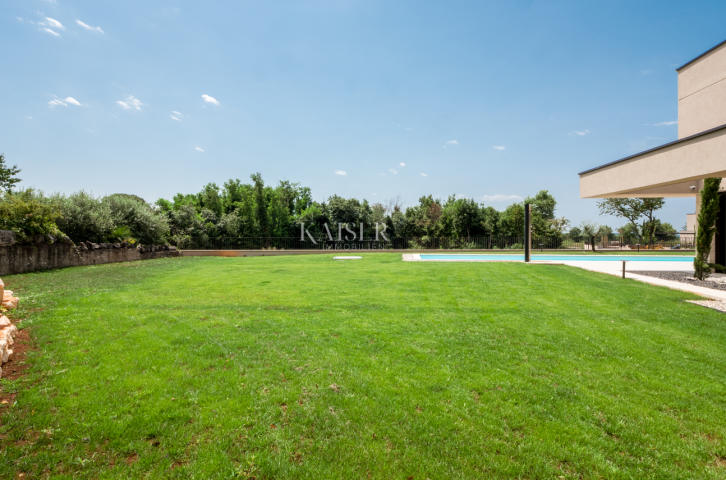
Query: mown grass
x=304, y=367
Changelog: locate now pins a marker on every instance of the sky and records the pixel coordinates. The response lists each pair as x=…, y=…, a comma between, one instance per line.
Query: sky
x=371, y=99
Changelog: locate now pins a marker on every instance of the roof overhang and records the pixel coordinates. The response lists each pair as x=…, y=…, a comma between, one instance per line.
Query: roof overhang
x=666, y=171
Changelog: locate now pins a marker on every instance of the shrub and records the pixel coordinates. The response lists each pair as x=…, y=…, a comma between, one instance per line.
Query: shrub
x=146, y=224
x=84, y=217
x=26, y=213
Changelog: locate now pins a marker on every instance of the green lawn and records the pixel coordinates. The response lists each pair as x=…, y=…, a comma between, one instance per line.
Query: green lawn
x=303, y=367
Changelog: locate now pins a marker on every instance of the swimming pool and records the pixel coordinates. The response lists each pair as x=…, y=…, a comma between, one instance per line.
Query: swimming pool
x=560, y=258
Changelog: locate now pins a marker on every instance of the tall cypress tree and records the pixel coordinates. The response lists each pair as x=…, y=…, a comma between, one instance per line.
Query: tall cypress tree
x=263, y=220
x=706, y=226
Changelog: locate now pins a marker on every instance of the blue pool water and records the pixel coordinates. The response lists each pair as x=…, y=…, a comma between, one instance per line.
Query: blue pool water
x=556, y=258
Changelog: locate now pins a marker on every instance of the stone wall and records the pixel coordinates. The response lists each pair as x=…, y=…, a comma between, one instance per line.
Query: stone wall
x=45, y=256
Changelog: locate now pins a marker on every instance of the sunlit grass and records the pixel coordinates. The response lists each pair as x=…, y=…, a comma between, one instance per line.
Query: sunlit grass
x=304, y=367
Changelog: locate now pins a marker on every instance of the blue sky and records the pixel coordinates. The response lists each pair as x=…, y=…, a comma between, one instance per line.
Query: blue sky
x=491, y=100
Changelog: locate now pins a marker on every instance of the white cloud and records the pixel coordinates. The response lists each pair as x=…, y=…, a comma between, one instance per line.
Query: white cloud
x=88, y=27
x=675, y=122
x=401, y=164
x=407, y=128
x=340, y=172
x=54, y=23
x=199, y=149
x=452, y=142
x=209, y=99
x=579, y=132
x=130, y=103
x=57, y=102
x=178, y=116
x=644, y=72
x=392, y=170
x=375, y=194
x=176, y=113
x=424, y=175
x=499, y=147
x=51, y=32
x=500, y=198
x=174, y=118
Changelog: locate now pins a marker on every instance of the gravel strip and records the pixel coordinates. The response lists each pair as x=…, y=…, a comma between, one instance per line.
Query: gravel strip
x=720, y=306
x=714, y=283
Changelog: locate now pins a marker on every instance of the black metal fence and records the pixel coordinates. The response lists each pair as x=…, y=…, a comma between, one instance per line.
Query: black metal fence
x=659, y=242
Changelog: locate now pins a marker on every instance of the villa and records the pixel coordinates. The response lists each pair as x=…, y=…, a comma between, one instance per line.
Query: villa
x=677, y=169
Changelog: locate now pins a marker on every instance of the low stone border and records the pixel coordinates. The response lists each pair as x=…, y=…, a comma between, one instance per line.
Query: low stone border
x=8, y=331
x=715, y=282
x=713, y=304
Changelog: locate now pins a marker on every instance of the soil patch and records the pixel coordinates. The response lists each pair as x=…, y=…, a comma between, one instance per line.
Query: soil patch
x=15, y=368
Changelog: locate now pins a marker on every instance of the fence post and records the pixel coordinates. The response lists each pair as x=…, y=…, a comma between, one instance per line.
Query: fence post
x=527, y=231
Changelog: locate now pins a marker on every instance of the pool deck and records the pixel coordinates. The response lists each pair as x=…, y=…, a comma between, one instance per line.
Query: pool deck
x=615, y=268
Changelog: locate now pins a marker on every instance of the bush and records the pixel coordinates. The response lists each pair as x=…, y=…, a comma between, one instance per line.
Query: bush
x=84, y=217
x=88, y=218
x=26, y=213
x=146, y=224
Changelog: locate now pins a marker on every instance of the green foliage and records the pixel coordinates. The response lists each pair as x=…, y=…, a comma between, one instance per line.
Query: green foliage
x=88, y=218
x=263, y=218
x=84, y=217
x=122, y=234
x=591, y=230
x=634, y=209
x=706, y=228
x=259, y=210
x=575, y=234
x=8, y=178
x=27, y=213
x=148, y=225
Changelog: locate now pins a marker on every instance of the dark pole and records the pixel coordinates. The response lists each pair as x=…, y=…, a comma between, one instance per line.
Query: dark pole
x=527, y=231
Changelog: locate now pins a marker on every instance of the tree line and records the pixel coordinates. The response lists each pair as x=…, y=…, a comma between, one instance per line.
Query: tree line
x=256, y=209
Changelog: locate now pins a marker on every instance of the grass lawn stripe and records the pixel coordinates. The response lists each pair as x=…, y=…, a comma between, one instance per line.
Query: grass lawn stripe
x=438, y=371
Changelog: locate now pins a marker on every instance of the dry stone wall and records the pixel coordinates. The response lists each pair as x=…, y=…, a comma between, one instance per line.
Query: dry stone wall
x=49, y=253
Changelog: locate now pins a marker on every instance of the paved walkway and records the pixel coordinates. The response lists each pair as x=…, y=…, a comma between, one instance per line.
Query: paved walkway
x=616, y=268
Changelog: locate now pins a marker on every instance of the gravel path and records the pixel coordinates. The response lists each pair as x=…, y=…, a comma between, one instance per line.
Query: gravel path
x=715, y=283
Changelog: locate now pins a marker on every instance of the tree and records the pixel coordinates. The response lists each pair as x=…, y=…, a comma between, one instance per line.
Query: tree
x=489, y=220
x=466, y=217
x=575, y=234
x=706, y=227
x=263, y=220
x=8, y=175
x=558, y=225
x=543, y=204
x=591, y=231
x=633, y=209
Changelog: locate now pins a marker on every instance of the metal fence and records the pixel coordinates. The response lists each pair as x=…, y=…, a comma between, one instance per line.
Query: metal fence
x=659, y=242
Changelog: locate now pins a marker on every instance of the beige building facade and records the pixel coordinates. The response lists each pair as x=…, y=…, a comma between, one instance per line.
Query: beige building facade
x=677, y=169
